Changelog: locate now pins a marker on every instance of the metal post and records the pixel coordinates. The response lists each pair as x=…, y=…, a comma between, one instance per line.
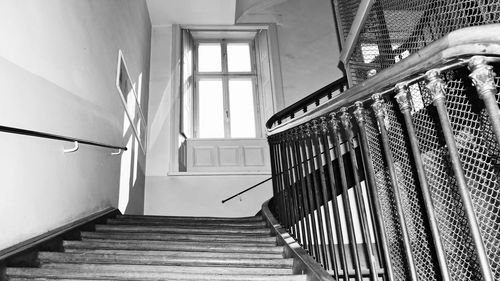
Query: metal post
x=291, y=190
x=345, y=198
x=335, y=207
x=437, y=88
x=358, y=193
x=286, y=184
x=404, y=100
x=317, y=194
x=310, y=191
x=483, y=78
x=379, y=109
x=326, y=210
x=298, y=184
x=374, y=200
x=303, y=190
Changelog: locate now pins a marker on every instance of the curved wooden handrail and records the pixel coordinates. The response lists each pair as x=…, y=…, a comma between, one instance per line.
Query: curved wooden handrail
x=462, y=43
x=339, y=84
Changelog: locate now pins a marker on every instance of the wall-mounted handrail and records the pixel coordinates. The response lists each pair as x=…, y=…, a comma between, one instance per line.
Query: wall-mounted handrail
x=464, y=42
x=246, y=190
x=19, y=131
x=290, y=111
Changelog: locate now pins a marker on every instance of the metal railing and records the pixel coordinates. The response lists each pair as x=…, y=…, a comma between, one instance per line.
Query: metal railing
x=398, y=178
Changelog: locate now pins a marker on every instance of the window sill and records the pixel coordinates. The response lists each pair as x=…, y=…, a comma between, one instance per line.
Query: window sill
x=188, y=174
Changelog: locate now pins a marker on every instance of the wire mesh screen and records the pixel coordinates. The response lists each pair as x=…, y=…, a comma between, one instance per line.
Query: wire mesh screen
x=396, y=28
x=386, y=195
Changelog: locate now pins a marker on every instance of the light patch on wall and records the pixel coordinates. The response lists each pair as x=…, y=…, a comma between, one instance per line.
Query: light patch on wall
x=370, y=52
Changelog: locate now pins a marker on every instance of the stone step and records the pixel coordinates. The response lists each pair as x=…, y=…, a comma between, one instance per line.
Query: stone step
x=165, y=246
x=38, y=274
x=212, y=255
x=165, y=269
x=173, y=229
x=179, y=243
x=54, y=257
x=193, y=219
x=138, y=221
x=268, y=240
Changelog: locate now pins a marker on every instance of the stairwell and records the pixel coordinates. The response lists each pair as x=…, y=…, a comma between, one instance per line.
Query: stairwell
x=166, y=248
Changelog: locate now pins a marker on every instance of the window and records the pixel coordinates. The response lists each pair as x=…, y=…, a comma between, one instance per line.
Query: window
x=225, y=99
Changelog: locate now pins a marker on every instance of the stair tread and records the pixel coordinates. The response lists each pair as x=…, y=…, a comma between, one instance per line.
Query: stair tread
x=180, y=253
x=52, y=257
x=16, y=274
x=178, y=237
x=174, y=242
x=133, y=221
x=167, y=269
x=165, y=246
x=173, y=229
x=189, y=218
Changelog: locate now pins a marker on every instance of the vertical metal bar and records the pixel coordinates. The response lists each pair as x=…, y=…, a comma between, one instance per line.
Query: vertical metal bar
x=317, y=194
x=483, y=78
x=274, y=174
x=437, y=88
x=285, y=185
x=289, y=187
x=374, y=200
x=310, y=191
x=404, y=100
x=298, y=183
x=293, y=189
x=326, y=210
x=345, y=198
x=304, y=206
x=335, y=207
x=358, y=193
x=379, y=109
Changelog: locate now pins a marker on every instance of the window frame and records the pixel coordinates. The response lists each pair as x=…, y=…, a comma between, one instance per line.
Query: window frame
x=224, y=75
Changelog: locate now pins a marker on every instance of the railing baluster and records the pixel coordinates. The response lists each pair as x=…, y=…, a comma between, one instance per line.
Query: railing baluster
x=358, y=193
x=293, y=188
x=335, y=207
x=326, y=210
x=374, y=201
x=286, y=184
x=483, y=78
x=310, y=191
x=437, y=88
x=403, y=98
x=290, y=187
x=345, y=198
x=298, y=184
x=306, y=226
x=378, y=108
x=317, y=194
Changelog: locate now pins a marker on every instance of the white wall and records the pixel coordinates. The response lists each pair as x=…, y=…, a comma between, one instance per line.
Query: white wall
x=179, y=194
x=58, y=68
x=307, y=42
x=309, y=57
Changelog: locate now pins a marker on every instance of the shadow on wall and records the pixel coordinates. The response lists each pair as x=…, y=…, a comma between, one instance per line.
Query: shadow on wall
x=132, y=177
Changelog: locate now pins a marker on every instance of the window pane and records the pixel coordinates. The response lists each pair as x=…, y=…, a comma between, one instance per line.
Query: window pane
x=242, y=108
x=209, y=59
x=211, y=109
x=238, y=57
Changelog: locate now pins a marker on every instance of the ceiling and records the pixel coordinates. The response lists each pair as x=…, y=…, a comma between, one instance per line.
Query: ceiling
x=196, y=12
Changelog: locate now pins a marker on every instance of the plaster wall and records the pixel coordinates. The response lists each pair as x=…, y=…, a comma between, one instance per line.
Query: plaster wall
x=58, y=62
x=308, y=46
x=308, y=56
x=192, y=195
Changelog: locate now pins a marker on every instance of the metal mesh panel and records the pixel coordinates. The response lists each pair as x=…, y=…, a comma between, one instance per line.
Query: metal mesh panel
x=478, y=160
x=448, y=207
x=347, y=12
x=392, y=226
x=411, y=198
x=396, y=28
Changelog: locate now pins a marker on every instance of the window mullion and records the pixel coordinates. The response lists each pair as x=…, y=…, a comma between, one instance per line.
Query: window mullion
x=225, y=87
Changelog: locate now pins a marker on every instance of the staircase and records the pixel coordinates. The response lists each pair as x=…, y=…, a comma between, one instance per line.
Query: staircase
x=166, y=248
